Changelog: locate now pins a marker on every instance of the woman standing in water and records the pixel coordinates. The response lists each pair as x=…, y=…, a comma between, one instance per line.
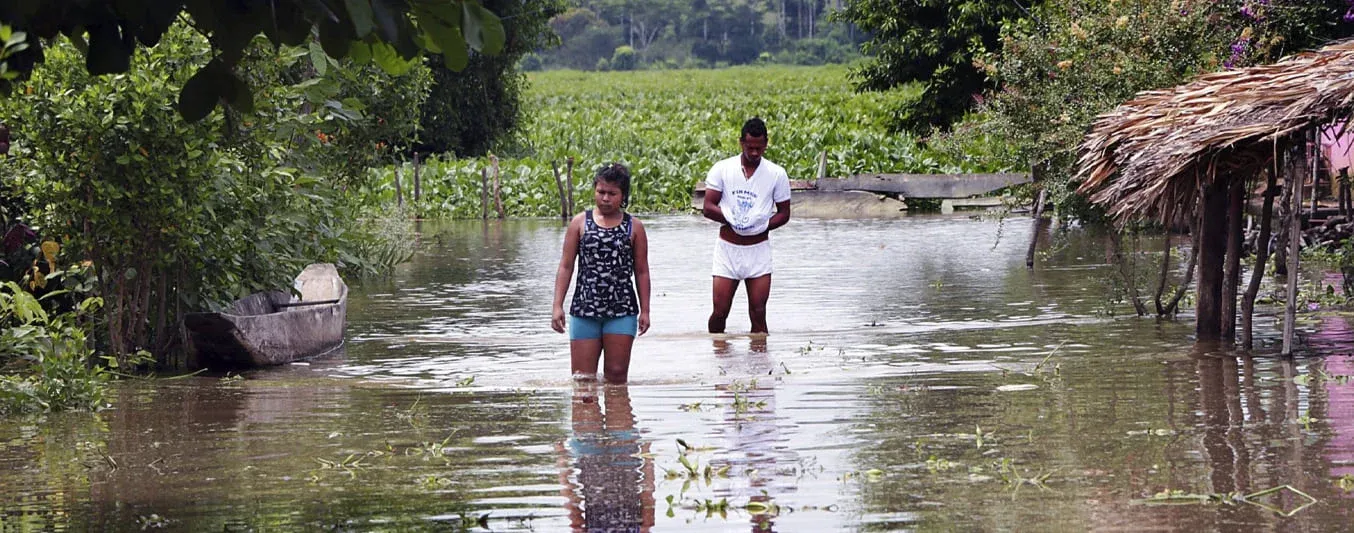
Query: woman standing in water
x=610, y=248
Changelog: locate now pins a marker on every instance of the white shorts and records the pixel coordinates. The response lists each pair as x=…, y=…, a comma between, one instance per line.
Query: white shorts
x=739, y=262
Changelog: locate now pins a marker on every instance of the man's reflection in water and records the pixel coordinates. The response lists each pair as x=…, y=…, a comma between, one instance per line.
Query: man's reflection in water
x=751, y=431
x=612, y=486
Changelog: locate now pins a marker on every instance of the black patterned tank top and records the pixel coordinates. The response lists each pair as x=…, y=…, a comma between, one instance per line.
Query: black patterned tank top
x=606, y=265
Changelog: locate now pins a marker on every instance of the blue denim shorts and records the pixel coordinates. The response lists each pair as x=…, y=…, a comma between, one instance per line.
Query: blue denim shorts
x=582, y=328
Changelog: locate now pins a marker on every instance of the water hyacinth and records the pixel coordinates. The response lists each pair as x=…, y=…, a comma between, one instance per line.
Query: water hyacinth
x=669, y=127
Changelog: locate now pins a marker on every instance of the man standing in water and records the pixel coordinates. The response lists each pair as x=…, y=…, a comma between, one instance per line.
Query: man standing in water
x=749, y=196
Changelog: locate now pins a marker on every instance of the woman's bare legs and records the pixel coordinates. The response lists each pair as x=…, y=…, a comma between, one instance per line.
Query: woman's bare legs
x=583, y=357
x=616, y=359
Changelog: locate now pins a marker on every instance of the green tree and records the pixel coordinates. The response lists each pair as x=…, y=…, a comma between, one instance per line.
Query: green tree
x=110, y=33
x=468, y=111
x=933, y=42
x=624, y=58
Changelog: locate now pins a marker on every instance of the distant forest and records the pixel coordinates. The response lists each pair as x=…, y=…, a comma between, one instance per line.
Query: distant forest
x=638, y=34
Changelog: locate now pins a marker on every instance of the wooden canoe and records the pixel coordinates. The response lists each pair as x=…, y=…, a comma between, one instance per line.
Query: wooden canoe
x=274, y=328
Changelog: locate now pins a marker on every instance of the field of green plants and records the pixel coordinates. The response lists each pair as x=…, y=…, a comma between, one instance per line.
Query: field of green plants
x=669, y=126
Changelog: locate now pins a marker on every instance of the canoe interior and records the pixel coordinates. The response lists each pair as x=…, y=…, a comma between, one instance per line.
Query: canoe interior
x=254, y=331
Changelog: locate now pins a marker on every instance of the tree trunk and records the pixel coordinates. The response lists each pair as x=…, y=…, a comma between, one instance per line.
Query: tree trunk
x=1174, y=304
x=1261, y=258
x=1163, y=274
x=813, y=11
x=1116, y=256
x=1231, y=278
x=783, y=15
x=1213, y=231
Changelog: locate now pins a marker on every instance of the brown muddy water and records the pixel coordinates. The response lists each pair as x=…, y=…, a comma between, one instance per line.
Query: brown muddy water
x=918, y=376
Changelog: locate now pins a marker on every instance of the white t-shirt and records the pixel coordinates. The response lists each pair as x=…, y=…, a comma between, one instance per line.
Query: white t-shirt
x=748, y=203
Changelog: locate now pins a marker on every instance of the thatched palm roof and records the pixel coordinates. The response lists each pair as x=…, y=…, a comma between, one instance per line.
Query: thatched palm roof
x=1158, y=150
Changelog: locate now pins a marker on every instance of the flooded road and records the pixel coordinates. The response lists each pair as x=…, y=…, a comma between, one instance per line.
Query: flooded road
x=918, y=376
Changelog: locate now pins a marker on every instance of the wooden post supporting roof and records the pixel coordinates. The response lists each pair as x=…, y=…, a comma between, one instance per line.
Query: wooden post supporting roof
x=1294, y=180
x=1213, y=229
x=1261, y=259
x=1231, y=273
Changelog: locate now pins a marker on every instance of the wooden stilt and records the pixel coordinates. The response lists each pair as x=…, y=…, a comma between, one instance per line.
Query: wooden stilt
x=1316, y=192
x=1038, y=228
x=1231, y=276
x=1346, y=203
x=1261, y=258
x=1213, y=229
x=1038, y=214
x=1294, y=247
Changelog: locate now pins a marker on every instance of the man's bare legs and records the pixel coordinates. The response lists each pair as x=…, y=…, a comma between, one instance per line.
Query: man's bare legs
x=724, y=290
x=759, y=291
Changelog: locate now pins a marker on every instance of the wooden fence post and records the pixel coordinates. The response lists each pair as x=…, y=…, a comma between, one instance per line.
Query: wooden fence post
x=399, y=194
x=484, y=193
x=1038, y=213
x=418, y=187
x=564, y=209
x=822, y=165
x=498, y=186
x=569, y=182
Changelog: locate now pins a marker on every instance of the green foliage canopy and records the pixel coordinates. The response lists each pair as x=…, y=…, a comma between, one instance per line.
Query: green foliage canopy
x=109, y=33
x=700, y=33
x=933, y=42
x=469, y=110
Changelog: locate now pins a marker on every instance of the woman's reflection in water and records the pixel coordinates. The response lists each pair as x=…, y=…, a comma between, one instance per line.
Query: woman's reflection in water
x=612, y=484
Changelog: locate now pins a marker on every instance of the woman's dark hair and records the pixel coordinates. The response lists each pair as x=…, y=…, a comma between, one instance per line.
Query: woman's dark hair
x=615, y=174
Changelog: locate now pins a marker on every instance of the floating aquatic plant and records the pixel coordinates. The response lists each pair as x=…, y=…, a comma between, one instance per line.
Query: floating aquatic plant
x=1179, y=497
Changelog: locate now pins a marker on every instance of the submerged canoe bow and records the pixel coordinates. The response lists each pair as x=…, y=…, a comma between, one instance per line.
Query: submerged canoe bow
x=274, y=328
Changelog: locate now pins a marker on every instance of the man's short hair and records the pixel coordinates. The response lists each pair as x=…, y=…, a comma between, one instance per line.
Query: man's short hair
x=754, y=127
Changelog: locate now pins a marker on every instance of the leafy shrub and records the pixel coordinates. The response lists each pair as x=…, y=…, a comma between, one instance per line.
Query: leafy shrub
x=624, y=58
x=530, y=62
x=177, y=216
x=47, y=361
